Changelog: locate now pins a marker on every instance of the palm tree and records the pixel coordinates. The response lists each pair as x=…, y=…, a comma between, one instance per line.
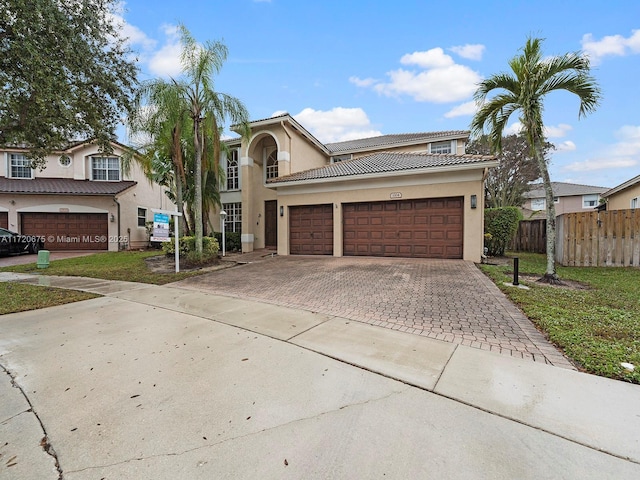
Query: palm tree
x=207, y=108
x=524, y=91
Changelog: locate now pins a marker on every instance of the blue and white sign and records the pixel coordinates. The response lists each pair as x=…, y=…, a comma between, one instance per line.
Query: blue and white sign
x=160, y=228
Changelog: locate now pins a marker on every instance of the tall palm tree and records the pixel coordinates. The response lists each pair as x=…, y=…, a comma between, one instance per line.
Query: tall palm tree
x=207, y=108
x=524, y=91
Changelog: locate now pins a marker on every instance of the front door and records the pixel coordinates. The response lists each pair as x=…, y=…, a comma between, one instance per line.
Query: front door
x=271, y=224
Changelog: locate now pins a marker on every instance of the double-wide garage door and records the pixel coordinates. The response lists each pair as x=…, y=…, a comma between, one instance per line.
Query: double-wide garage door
x=425, y=228
x=68, y=231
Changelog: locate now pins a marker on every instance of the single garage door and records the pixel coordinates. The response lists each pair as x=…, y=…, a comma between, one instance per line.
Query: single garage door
x=311, y=230
x=68, y=231
x=4, y=220
x=425, y=228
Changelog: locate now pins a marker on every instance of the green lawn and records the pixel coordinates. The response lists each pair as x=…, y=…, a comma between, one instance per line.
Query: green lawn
x=128, y=266
x=18, y=297
x=598, y=327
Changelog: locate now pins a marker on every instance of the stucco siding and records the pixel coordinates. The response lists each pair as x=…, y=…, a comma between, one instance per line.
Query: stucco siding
x=622, y=200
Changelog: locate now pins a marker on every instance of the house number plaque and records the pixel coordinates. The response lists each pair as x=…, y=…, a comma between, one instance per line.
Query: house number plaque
x=396, y=195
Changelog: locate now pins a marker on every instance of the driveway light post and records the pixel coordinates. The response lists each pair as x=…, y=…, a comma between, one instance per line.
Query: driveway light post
x=223, y=217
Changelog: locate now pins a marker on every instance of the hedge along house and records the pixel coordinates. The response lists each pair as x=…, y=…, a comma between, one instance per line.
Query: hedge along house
x=82, y=200
x=406, y=195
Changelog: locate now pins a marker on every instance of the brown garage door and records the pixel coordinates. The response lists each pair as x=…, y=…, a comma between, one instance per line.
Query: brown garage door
x=68, y=231
x=4, y=220
x=311, y=230
x=426, y=228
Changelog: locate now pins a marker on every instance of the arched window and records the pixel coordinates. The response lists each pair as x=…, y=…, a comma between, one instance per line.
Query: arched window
x=272, y=165
x=232, y=171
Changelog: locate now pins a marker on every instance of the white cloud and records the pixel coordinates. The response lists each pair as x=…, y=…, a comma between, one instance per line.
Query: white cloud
x=437, y=79
x=465, y=109
x=566, y=146
x=166, y=61
x=434, y=58
x=623, y=154
x=471, y=52
x=557, y=132
x=362, y=82
x=277, y=113
x=513, y=129
x=610, y=45
x=338, y=124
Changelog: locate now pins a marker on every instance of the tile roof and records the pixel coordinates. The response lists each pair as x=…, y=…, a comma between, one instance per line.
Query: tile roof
x=383, y=162
x=389, y=140
x=62, y=186
x=562, y=189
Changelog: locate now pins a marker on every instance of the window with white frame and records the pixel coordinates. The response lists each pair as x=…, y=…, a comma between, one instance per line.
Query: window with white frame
x=635, y=202
x=19, y=166
x=105, y=168
x=590, y=201
x=233, y=178
x=233, y=221
x=440, y=147
x=538, y=204
x=142, y=217
x=272, y=165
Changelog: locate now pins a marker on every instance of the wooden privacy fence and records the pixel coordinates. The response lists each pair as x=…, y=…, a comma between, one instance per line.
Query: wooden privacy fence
x=531, y=236
x=602, y=239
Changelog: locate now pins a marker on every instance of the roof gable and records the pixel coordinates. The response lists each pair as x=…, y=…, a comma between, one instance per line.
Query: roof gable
x=363, y=144
x=622, y=186
x=563, y=189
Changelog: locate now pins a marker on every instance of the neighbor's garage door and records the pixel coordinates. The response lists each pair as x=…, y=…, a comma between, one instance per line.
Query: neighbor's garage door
x=68, y=231
x=426, y=228
x=4, y=220
x=311, y=230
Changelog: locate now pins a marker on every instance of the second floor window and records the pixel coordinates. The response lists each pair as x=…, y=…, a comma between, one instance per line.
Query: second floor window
x=272, y=165
x=233, y=177
x=19, y=166
x=105, y=168
x=440, y=147
x=589, y=201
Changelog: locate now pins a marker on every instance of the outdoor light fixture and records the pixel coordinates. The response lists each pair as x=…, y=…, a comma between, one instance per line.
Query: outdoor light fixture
x=281, y=211
x=223, y=216
x=112, y=218
x=474, y=201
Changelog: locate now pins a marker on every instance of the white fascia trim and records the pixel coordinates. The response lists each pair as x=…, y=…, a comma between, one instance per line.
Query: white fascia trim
x=246, y=238
x=246, y=162
x=284, y=156
x=403, y=173
x=3, y=209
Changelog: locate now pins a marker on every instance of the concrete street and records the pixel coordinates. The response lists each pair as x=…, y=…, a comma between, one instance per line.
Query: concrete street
x=153, y=382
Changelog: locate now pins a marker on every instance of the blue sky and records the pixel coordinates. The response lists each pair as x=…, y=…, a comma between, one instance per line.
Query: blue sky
x=353, y=69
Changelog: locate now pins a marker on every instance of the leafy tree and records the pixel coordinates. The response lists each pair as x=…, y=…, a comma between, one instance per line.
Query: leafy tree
x=506, y=184
x=501, y=224
x=532, y=78
x=65, y=73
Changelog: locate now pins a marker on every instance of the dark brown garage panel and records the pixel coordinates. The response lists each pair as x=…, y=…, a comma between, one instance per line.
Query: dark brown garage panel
x=311, y=230
x=68, y=231
x=425, y=228
x=4, y=220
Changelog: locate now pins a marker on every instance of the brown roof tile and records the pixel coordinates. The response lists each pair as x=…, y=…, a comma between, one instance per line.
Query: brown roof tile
x=62, y=186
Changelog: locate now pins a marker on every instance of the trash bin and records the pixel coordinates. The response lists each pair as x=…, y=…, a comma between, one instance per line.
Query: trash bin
x=43, y=259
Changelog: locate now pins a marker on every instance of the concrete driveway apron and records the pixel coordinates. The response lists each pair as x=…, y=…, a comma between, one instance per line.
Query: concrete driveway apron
x=449, y=300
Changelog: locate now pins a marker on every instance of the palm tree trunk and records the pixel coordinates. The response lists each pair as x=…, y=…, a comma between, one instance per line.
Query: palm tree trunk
x=197, y=201
x=550, y=275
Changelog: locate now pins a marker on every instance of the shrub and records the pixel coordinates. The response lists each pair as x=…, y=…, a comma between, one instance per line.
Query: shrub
x=187, y=246
x=500, y=225
x=233, y=242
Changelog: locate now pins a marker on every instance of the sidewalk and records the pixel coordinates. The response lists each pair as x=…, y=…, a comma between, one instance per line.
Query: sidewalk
x=571, y=410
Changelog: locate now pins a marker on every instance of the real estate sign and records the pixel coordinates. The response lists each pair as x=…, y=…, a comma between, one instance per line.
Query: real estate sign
x=160, y=228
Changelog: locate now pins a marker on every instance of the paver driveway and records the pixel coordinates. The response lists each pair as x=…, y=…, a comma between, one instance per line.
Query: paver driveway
x=448, y=300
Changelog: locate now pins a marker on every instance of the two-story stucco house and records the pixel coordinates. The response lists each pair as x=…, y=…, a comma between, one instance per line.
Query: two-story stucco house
x=82, y=200
x=408, y=195
x=624, y=196
x=567, y=197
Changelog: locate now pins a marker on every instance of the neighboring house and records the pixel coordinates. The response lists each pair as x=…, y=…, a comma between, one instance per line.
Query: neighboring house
x=82, y=200
x=407, y=195
x=624, y=196
x=568, y=198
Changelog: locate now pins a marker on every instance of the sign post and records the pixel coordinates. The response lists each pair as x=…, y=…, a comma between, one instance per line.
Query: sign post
x=161, y=230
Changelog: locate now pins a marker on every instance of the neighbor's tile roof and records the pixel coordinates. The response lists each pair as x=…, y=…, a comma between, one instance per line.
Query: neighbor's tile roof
x=562, y=189
x=62, y=186
x=384, y=162
x=389, y=140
